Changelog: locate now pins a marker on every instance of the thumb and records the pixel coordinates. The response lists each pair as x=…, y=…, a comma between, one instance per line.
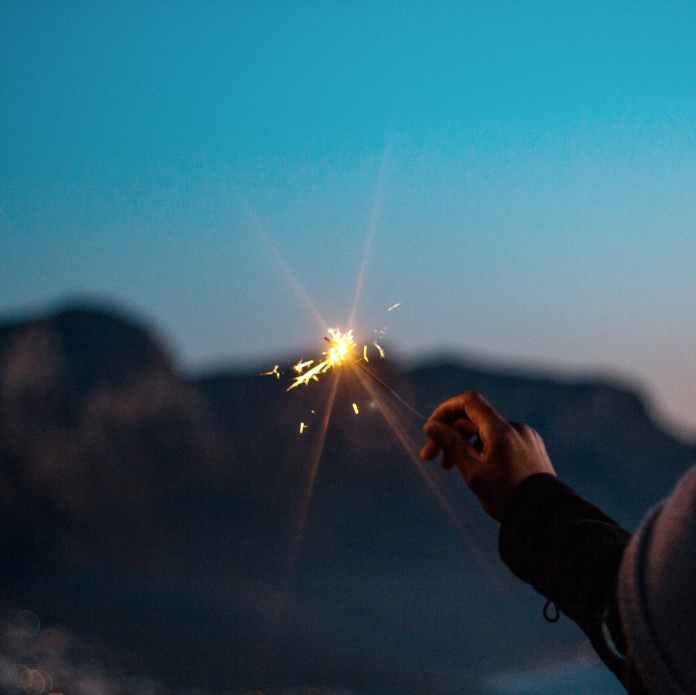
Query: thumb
x=443, y=437
x=456, y=449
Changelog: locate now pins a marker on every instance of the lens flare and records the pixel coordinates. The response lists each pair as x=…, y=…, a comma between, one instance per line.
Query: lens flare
x=341, y=351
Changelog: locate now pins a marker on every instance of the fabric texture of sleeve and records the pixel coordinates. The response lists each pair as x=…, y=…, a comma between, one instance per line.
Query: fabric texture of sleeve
x=570, y=552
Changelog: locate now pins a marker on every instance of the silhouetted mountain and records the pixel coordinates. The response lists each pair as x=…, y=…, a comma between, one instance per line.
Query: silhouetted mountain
x=159, y=514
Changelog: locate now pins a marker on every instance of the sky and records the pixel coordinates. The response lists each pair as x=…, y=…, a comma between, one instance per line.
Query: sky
x=526, y=173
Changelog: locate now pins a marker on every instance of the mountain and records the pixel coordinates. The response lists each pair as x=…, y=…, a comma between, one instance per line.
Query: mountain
x=158, y=515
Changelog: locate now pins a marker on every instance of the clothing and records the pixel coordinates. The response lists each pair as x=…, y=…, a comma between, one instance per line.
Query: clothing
x=657, y=593
x=570, y=552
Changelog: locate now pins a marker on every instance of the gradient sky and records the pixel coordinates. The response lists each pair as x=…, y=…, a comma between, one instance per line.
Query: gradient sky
x=530, y=171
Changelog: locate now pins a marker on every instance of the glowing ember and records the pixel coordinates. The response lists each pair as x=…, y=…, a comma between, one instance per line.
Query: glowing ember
x=301, y=366
x=273, y=372
x=341, y=350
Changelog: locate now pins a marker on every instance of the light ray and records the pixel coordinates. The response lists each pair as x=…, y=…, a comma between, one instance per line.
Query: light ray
x=341, y=348
x=375, y=215
x=314, y=459
x=410, y=448
x=286, y=271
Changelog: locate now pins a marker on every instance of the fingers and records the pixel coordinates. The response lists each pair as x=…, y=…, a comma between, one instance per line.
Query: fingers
x=472, y=406
x=429, y=450
x=466, y=427
x=456, y=449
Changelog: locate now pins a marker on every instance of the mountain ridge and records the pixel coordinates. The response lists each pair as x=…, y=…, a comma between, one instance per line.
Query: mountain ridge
x=160, y=510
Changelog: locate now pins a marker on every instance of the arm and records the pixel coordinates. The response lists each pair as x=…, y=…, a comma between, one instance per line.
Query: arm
x=566, y=548
x=570, y=552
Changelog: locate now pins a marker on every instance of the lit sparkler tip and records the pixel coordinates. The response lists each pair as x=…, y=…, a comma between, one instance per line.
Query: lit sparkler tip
x=341, y=349
x=356, y=410
x=303, y=427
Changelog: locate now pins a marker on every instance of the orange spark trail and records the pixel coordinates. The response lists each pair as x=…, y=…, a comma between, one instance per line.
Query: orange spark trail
x=272, y=372
x=341, y=349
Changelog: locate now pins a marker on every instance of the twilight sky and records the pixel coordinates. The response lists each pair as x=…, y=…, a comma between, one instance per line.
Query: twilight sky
x=529, y=172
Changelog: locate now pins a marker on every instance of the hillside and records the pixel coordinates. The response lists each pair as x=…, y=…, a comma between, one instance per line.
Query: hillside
x=156, y=513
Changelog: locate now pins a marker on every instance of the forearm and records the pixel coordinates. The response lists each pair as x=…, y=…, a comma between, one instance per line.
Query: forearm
x=570, y=552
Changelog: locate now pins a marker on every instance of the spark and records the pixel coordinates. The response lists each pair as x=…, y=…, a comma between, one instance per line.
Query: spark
x=394, y=307
x=301, y=366
x=365, y=353
x=356, y=410
x=341, y=350
x=303, y=427
x=380, y=349
x=273, y=372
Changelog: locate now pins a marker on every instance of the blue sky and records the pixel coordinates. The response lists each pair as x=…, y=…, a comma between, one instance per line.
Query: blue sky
x=536, y=201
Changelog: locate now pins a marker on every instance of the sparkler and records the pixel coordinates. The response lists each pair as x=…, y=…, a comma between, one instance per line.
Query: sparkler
x=301, y=366
x=342, y=351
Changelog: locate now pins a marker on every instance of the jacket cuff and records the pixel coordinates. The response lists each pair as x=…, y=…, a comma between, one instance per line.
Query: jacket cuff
x=562, y=545
x=530, y=496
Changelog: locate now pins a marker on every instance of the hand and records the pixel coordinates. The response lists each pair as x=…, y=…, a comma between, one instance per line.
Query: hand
x=504, y=456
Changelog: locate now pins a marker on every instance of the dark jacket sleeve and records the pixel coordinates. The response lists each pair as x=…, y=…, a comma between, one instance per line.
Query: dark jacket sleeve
x=570, y=552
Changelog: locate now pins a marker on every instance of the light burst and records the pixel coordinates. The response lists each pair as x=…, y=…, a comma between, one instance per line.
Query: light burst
x=342, y=350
